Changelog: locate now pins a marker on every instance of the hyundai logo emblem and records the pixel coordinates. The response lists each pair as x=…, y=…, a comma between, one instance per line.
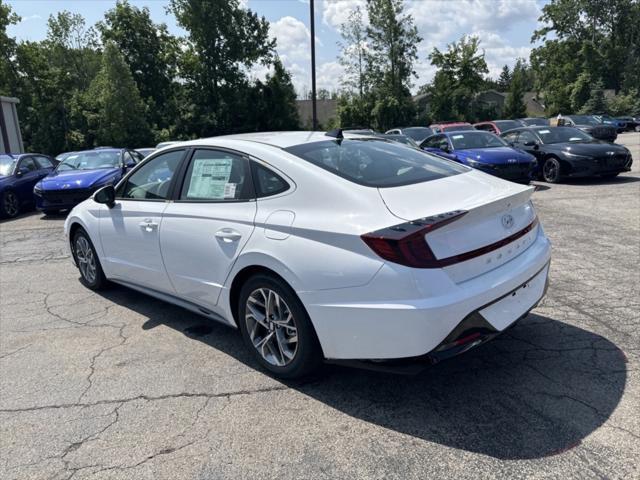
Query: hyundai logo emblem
x=512, y=160
x=507, y=221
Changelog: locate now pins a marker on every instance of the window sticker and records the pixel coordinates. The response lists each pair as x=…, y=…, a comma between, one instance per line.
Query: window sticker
x=209, y=179
x=457, y=137
x=230, y=190
x=544, y=131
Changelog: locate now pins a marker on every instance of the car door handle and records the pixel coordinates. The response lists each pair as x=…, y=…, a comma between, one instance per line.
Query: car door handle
x=148, y=225
x=228, y=235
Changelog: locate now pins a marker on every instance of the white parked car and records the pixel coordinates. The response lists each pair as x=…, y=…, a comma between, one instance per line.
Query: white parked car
x=320, y=247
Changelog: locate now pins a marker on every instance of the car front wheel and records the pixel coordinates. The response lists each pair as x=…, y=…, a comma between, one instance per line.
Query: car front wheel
x=10, y=204
x=87, y=260
x=277, y=329
x=551, y=170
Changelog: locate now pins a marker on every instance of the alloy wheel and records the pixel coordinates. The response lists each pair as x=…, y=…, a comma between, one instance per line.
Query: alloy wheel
x=11, y=205
x=271, y=326
x=551, y=171
x=86, y=259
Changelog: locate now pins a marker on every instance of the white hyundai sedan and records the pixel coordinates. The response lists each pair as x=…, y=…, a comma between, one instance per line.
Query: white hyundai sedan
x=320, y=247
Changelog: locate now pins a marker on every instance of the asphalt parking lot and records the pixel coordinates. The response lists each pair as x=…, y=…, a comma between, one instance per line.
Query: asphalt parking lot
x=120, y=385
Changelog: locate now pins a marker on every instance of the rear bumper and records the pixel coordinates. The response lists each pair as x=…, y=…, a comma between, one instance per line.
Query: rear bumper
x=392, y=317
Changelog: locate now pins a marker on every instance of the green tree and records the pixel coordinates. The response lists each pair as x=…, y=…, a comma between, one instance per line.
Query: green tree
x=595, y=37
x=597, y=102
x=504, y=80
x=119, y=112
x=278, y=110
x=625, y=104
x=514, y=106
x=151, y=53
x=8, y=46
x=353, y=53
x=459, y=78
x=392, y=52
x=224, y=41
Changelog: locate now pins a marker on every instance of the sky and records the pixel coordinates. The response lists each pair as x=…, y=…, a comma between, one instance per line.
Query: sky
x=504, y=27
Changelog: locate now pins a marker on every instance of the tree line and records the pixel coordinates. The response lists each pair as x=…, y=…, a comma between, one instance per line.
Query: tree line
x=129, y=81
x=587, y=46
x=126, y=81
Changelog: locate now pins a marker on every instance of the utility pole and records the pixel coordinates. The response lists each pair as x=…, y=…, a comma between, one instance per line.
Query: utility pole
x=313, y=66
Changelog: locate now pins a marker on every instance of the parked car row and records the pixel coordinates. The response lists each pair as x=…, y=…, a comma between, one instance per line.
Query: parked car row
x=55, y=184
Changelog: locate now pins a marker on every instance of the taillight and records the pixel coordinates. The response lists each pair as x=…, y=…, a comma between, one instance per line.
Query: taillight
x=406, y=244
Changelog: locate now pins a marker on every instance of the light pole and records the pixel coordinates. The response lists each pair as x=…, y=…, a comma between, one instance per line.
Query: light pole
x=313, y=67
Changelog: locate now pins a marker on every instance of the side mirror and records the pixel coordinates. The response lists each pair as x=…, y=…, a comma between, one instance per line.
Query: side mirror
x=106, y=195
x=445, y=148
x=530, y=143
x=22, y=171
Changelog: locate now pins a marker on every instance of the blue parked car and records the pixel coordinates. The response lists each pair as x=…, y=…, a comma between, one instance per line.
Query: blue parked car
x=80, y=174
x=18, y=174
x=484, y=151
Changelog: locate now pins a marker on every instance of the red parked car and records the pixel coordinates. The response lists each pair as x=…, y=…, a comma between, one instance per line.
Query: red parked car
x=450, y=126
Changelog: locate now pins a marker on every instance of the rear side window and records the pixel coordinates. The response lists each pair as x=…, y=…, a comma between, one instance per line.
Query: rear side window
x=43, y=162
x=267, y=182
x=375, y=162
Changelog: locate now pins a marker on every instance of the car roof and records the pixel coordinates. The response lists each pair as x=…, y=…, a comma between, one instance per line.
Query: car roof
x=99, y=149
x=275, y=139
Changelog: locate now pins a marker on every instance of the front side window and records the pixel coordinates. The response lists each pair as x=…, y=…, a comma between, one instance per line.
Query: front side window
x=153, y=179
x=527, y=137
x=466, y=140
x=375, y=162
x=91, y=160
x=217, y=176
x=29, y=164
x=434, y=142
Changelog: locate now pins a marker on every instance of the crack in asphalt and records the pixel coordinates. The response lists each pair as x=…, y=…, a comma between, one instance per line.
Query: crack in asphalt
x=148, y=398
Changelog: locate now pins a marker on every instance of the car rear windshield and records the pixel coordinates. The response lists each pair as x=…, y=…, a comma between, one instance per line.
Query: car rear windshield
x=584, y=120
x=452, y=128
x=6, y=165
x=376, y=162
x=418, y=133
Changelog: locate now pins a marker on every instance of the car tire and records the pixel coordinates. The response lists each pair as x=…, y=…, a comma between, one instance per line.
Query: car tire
x=9, y=204
x=276, y=317
x=51, y=212
x=91, y=273
x=551, y=170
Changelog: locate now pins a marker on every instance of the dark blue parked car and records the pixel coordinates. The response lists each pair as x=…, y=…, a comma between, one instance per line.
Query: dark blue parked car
x=18, y=174
x=484, y=151
x=80, y=174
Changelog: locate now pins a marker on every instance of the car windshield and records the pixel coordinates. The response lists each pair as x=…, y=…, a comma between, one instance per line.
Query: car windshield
x=466, y=140
x=505, y=125
x=376, y=162
x=584, y=120
x=7, y=165
x=417, y=133
x=562, y=134
x=91, y=160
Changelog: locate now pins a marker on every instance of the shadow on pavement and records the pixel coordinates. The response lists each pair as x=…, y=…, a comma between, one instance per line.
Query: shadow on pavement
x=535, y=391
